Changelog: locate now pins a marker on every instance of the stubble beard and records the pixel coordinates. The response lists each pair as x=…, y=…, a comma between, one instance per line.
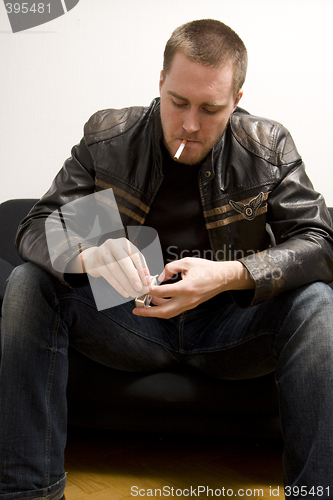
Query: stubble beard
x=195, y=160
x=200, y=158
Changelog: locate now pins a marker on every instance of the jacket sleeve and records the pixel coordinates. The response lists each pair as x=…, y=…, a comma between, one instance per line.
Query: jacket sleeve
x=75, y=180
x=303, y=249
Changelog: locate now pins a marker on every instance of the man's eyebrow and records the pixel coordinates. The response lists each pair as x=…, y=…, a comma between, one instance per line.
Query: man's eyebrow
x=211, y=104
x=174, y=94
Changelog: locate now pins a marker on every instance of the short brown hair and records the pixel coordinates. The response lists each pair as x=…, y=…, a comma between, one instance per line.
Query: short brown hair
x=211, y=43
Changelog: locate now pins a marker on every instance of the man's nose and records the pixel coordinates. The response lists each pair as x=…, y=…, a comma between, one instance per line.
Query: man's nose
x=191, y=121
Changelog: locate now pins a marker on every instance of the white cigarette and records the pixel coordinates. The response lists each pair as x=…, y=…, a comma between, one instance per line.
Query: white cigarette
x=180, y=150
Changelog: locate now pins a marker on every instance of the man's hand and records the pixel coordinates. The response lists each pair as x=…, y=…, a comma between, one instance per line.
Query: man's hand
x=201, y=280
x=119, y=262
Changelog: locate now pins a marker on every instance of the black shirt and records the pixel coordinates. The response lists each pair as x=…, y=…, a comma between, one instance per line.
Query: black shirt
x=176, y=212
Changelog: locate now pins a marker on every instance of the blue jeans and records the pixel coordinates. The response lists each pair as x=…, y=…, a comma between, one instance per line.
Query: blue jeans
x=291, y=335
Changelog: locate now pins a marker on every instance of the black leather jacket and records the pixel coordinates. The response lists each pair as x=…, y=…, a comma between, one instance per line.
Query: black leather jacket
x=258, y=203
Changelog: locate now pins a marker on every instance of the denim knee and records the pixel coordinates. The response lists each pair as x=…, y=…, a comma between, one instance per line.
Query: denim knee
x=30, y=305
x=306, y=324
x=24, y=286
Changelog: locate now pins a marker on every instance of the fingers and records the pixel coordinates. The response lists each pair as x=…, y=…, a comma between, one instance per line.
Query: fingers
x=140, y=264
x=166, y=291
x=171, y=269
x=163, y=308
x=158, y=301
x=121, y=264
x=123, y=286
x=126, y=262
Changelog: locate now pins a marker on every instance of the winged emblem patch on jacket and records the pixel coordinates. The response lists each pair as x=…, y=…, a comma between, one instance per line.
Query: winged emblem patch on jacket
x=249, y=210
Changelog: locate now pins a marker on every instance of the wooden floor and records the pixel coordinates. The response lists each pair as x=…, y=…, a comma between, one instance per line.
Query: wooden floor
x=114, y=465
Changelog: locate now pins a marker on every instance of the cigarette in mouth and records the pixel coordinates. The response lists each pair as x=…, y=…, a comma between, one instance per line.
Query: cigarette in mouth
x=180, y=150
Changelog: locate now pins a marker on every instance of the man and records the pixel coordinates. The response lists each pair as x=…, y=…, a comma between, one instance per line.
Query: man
x=239, y=194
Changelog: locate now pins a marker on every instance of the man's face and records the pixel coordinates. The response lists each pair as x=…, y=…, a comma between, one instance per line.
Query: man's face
x=196, y=103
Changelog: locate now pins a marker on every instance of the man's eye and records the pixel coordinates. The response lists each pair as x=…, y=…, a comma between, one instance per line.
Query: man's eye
x=209, y=111
x=179, y=104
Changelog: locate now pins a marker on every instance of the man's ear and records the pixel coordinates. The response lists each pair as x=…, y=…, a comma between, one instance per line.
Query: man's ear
x=161, y=80
x=238, y=98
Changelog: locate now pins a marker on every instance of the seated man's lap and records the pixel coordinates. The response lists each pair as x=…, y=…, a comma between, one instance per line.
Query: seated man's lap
x=218, y=337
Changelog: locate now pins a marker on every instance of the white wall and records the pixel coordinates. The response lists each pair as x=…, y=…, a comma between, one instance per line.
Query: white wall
x=108, y=53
